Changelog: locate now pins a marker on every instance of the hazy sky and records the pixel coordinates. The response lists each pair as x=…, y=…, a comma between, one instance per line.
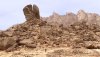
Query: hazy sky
x=11, y=10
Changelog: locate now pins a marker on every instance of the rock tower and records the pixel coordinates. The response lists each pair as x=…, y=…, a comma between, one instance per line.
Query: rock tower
x=31, y=12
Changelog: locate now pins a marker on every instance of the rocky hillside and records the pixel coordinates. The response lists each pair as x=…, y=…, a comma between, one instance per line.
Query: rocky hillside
x=81, y=30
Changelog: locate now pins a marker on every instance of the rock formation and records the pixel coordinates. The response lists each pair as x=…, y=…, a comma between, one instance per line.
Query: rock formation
x=28, y=12
x=82, y=16
x=68, y=30
x=36, y=12
x=31, y=12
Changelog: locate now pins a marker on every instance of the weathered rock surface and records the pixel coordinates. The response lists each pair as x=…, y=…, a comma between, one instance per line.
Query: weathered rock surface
x=82, y=16
x=36, y=12
x=31, y=12
x=92, y=18
x=8, y=44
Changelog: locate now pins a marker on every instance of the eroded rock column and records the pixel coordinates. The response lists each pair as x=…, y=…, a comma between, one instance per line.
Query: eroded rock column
x=82, y=16
x=31, y=12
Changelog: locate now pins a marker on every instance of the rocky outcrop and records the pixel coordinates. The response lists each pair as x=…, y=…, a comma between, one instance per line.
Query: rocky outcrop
x=68, y=30
x=36, y=11
x=31, y=12
x=15, y=35
x=69, y=19
x=82, y=16
x=53, y=19
x=92, y=18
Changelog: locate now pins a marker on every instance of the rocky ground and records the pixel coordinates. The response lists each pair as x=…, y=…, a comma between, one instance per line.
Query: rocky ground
x=70, y=35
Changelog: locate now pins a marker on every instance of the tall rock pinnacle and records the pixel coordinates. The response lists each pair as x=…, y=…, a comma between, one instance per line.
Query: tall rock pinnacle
x=31, y=12
x=36, y=11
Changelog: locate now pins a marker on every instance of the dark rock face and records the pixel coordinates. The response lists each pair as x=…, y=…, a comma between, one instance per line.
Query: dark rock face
x=31, y=12
x=28, y=12
x=36, y=12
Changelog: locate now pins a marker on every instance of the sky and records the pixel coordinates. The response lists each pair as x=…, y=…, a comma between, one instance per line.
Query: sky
x=11, y=11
